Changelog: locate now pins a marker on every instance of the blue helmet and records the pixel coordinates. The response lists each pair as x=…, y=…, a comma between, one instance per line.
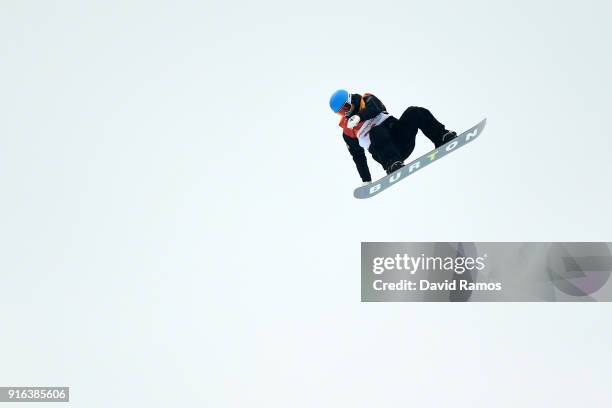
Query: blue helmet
x=338, y=99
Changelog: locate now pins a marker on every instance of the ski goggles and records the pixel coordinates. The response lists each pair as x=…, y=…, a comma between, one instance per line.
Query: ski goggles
x=345, y=109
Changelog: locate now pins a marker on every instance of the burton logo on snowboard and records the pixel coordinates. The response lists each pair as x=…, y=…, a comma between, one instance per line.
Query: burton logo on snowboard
x=382, y=184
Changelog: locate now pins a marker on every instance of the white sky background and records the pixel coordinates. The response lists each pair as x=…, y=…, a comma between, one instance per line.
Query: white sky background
x=177, y=213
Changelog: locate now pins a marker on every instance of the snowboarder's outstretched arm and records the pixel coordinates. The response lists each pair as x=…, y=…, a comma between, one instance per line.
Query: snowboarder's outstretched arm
x=359, y=157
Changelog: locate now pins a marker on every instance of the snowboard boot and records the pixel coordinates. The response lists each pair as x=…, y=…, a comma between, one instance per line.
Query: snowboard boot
x=395, y=166
x=448, y=136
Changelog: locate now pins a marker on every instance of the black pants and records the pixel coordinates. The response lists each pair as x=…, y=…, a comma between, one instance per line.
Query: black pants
x=394, y=139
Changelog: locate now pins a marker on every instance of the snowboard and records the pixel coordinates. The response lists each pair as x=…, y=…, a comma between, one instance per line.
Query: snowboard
x=384, y=183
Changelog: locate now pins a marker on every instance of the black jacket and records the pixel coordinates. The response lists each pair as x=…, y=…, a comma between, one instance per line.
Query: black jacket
x=373, y=106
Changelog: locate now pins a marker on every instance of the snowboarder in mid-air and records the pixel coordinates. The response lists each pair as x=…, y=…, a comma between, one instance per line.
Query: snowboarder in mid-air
x=366, y=124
